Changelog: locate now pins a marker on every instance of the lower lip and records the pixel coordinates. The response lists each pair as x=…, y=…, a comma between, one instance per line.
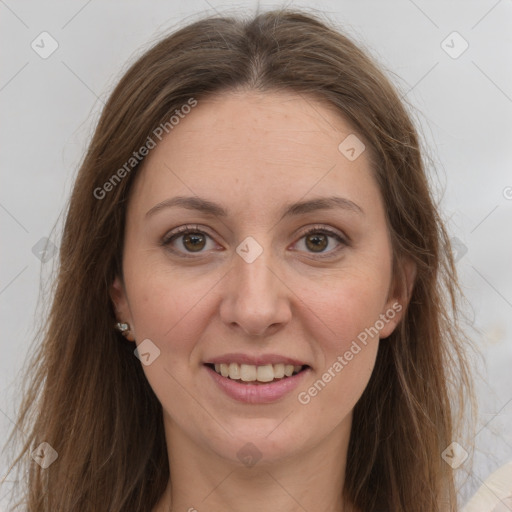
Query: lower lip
x=257, y=393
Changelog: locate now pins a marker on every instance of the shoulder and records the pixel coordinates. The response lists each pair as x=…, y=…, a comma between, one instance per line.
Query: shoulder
x=495, y=494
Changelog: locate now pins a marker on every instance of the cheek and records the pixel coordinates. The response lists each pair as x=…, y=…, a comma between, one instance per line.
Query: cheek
x=349, y=305
x=168, y=305
x=346, y=342
x=344, y=319
x=173, y=311
x=333, y=393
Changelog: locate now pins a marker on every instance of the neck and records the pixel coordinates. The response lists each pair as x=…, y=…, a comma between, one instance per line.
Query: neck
x=202, y=480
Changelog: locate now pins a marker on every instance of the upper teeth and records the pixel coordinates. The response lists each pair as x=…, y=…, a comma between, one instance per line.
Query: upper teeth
x=250, y=372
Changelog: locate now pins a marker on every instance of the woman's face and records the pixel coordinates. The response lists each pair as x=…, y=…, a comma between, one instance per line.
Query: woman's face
x=287, y=262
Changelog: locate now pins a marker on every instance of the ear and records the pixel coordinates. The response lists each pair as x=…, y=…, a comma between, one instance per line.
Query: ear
x=398, y=299
x=123, y=313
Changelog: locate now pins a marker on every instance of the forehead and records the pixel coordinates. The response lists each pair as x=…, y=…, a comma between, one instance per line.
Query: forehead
x=270, y=126
x=251, y=146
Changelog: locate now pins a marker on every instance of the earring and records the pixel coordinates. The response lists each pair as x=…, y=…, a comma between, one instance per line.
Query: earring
x=123, y=328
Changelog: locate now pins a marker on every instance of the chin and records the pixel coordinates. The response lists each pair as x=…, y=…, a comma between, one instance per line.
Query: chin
x=261, y=441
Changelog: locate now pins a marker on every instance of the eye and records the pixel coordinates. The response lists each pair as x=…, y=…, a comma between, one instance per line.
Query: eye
x=322, y=240
x=187, y=239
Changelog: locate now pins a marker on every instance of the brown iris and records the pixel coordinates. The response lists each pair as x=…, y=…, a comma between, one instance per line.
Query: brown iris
x=317, y=242
x=194, y=241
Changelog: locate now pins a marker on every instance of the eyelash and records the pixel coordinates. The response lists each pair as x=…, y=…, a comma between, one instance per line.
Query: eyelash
x=185, y=230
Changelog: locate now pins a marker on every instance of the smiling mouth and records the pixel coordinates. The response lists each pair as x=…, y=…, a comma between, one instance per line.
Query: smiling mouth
x=251, y=374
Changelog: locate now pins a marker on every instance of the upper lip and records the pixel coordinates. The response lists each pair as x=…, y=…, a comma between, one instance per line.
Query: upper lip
x=260, y=360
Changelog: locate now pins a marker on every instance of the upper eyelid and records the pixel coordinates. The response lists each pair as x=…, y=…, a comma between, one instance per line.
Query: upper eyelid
x=302, y=232
x=182, y=230
x=329, y=230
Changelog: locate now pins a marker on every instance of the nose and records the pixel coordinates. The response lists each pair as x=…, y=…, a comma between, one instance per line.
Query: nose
x=256, y=301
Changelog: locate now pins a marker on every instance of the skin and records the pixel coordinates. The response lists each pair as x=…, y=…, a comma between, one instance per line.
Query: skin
x=253, y=153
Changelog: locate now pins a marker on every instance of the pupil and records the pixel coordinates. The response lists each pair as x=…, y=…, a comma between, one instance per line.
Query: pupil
x=196, y=242
x=318, y=242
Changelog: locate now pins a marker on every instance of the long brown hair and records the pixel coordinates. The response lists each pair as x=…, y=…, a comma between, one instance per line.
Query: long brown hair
x=88, y=397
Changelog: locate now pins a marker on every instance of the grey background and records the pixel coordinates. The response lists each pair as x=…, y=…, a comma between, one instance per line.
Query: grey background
x=463, y=106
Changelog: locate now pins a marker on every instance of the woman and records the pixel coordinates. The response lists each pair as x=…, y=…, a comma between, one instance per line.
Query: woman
x=256, y=306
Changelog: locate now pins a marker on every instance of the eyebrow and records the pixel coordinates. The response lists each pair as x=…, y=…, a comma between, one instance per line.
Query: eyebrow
x=299, y=208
